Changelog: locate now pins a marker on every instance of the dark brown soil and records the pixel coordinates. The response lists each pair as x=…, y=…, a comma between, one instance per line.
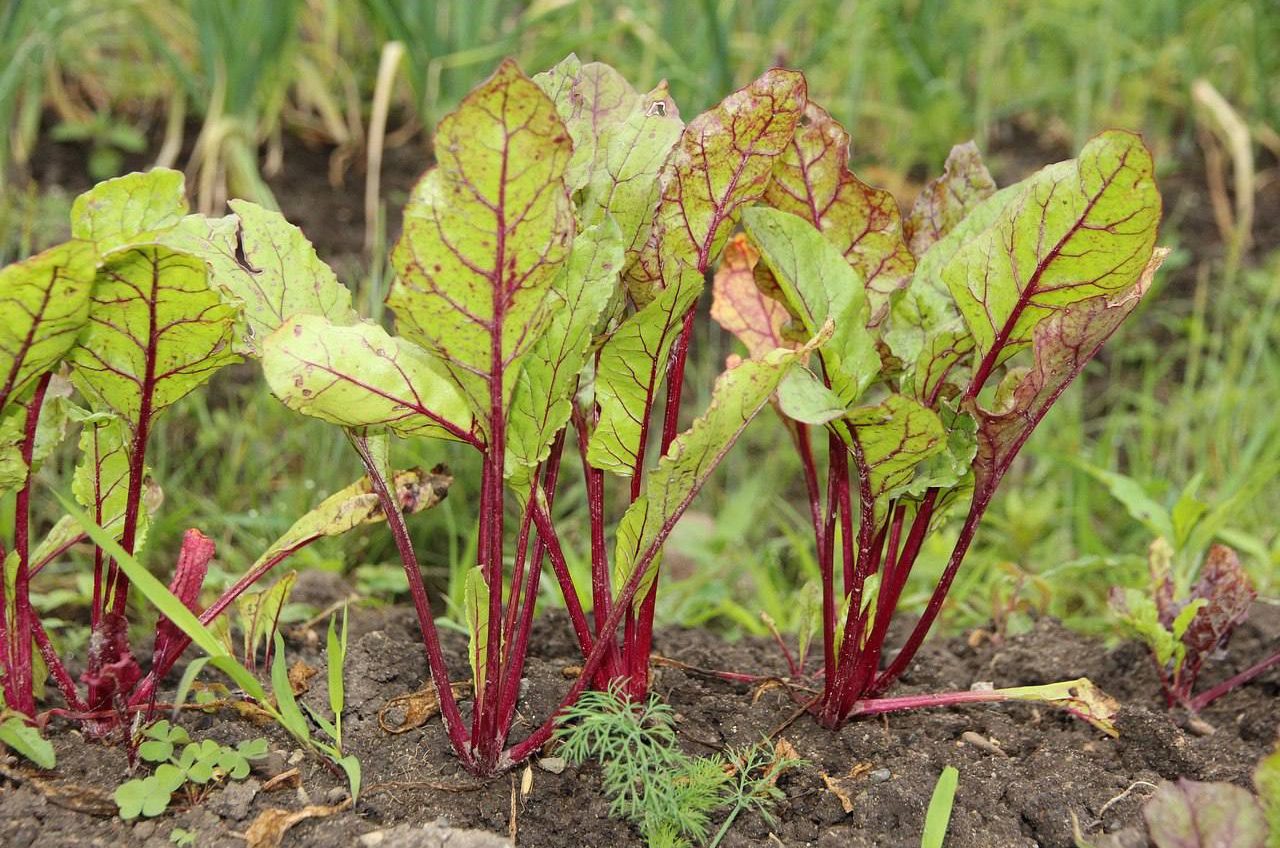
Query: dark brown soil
x=1041, y=769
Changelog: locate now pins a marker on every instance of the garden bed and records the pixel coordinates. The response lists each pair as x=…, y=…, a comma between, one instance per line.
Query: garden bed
x=1024, y=770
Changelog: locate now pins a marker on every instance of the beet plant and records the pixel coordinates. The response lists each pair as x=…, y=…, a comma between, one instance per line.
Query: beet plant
x=956, y=331
x=108, y=331
x=547, y=277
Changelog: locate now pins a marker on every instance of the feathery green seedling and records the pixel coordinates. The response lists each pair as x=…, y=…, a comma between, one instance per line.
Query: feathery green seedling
x=667, y=794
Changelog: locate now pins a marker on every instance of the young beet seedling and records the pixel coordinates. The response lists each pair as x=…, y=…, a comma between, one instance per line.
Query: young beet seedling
x=1183, y=633
x=956, y=330
x=546, y=281
x=124, y=314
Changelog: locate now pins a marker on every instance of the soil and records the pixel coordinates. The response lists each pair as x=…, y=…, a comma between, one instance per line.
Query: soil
x=1025, y=772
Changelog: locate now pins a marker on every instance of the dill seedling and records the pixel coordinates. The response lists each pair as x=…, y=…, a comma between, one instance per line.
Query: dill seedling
x=667, y=794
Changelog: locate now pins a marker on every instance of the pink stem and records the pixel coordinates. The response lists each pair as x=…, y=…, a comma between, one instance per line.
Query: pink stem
x=19, y=681
x=1207, y=697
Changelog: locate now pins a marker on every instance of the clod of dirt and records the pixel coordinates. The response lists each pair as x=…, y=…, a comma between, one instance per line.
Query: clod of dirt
x=234, y=801
x=1151, y=740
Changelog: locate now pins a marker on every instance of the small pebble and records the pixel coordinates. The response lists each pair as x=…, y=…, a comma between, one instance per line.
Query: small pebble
x=336, y=795
x=880, y=775
x=373, y=838
x=555, y=765
x=297, y=756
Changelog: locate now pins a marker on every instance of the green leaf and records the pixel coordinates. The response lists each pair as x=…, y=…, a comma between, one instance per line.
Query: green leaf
x=1189, y=814
x=925, y=331
x=260, y=612
x=291, y=717
x=23, y=739
x=1063, y=346
x=129, y=210
x=721, y=162
x=894, y=437
x=668, y=490
x=485, y=233
x=802, y=397
x=51, y=429
x=620, y=141
x=1139, y=615
x=938, y=816
x=155, y=750
x=359, y=376
x=630, y=370
x=811, y=179
x=543, y=397
x=476, y=612
x=945, y=201
x=950, y=466
x=336, y=652
x=101, y=479
x=351, y=766
x=44, y=303
x=156, y=331
x=167, y=780
x=265, y=264
x=819, y=286
x=143, y=797
x=1077, y=230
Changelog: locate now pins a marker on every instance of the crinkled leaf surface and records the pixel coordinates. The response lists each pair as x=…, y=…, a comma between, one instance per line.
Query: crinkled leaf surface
x=359, y=376
x=156, y=331
x=543, y=397
x=591, y=99
x=722, y=161
x=739, y=306
x=631, y=369
x=820, y=286
x=1189, y=814
x=668, y=490
x=945, y=201
x=1227, y=593
x=485, y=233
x=811, y=179
x=44, y=302
x=1076, y=230
x=128, y=210
x=895, y=436
x=925, y=330
x=261, y=261
x=1063, y=345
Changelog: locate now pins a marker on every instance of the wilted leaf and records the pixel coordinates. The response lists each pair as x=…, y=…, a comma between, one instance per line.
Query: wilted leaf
x=1188, y=814
x=722, y=161
x=739, y=306
x=945, y=201
x=475, y=608
x=358, y=504
x=414, y=709
x=44, y=302
x=1080, y=697
x=358, y=376
x=485, y=233
x=269, y=828
x=811, y=179
x=1227, y=593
